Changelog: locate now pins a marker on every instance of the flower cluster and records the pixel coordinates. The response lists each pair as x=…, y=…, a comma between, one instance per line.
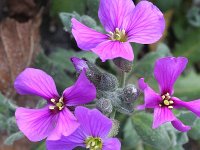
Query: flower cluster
x=64, y=122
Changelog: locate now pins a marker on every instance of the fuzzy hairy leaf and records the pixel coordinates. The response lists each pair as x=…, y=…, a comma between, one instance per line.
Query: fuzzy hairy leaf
x=13, y=137
x=157, y=138
x=131, y=138
x=144, y=67
x=189, y=46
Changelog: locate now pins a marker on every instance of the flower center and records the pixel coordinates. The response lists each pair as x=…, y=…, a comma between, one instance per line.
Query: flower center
x=166, y=101
x=93, y=143
x=118, y=35
x=57, y=105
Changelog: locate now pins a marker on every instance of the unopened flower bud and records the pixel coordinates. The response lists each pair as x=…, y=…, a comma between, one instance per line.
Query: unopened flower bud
x=123, y=64
x=108, y=82
x=93, y=77
x=129, y=94
x=119, y=105
x=93, y=67
x=104, y=105
x=79, y=64
x=92, y=72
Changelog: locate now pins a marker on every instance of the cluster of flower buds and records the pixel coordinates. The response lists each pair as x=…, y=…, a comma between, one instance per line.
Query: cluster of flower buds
x=109, y=95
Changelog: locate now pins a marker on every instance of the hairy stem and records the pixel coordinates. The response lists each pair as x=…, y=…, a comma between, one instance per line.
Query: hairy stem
x=122, y=79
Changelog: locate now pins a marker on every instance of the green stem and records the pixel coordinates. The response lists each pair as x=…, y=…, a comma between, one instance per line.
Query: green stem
x=122, y=79
x=112, y=115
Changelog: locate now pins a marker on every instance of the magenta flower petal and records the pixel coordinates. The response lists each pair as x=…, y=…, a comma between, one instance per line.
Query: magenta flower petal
x=113, y=13
x=36, y=124
x=180, y=126
x=86, y=38
x=82, y=92
x=151, y=98
x=193, y=106
x=76, y=139
x=65, y=125
x=111, y=144
x=166, y=72
x=146, y=23
x=79, y=64
x=113, y=49
x=36, y=82
x=93, y=122
x=162, y=115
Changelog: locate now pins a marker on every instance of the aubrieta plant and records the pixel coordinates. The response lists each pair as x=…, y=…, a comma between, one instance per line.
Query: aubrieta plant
x=65, y=121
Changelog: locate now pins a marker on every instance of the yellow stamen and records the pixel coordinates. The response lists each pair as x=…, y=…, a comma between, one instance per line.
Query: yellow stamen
x=170, y=107
x=51, y=107
x=118, y=35
x=53, y=100
x=59, y=105
x=163, y=97
x=93, y=143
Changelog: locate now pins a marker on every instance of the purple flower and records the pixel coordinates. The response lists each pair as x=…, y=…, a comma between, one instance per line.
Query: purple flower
x=166, y=72
x=124, y=23
x=91, y=134
x=79, y=64
x=55, y=119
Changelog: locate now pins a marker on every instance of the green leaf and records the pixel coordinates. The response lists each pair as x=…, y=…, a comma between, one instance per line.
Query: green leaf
x=13, y=137
x=189, y=46
x=93, y=6
x=56, y=70
x=59, y=66
x=194, y=133
x=3, y=119
x=61, y=58
x=66, y=19
x=177, y=147
x=6, y=104
x=58, y=6
x=131, y=139
x=85, y=19
x=166, y=5
x=182, y=138
x=157, y=138
x=188, y=87
x=187, y=117
x=42, y=146
x=144, y=67
x=194, y=16
x=88, y=55
x=88, y=21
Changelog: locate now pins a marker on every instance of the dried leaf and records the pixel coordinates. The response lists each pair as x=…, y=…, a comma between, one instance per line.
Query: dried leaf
x=19, y=43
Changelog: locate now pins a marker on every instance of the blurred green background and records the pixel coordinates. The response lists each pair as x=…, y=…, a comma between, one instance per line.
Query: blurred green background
x=47, y=43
